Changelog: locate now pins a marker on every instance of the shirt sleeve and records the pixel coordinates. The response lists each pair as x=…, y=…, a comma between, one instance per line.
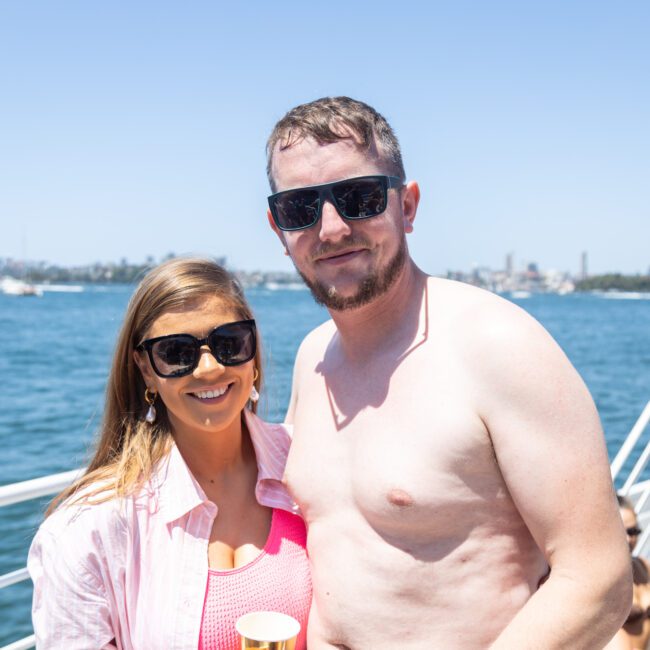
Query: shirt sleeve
x=70, y=610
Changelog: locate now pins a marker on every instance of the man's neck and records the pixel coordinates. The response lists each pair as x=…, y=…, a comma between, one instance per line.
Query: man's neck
x=390, y=319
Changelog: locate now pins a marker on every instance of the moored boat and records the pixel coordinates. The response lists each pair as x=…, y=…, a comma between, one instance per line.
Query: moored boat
x=14, y=287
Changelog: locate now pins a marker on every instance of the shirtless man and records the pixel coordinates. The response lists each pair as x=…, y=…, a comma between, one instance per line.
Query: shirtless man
x=447, y=457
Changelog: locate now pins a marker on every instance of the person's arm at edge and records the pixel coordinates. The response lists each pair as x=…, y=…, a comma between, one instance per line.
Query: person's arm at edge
x=550, y=449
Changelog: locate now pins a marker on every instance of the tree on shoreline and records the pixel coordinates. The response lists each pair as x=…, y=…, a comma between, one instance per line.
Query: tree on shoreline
x=615, y=282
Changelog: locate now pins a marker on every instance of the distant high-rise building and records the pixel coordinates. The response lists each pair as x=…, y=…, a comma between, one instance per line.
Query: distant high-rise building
x=584, y=266
x=509, y=264
x=532, y=270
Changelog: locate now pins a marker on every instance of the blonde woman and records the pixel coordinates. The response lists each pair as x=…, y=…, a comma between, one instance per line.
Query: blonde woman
x=181, y=523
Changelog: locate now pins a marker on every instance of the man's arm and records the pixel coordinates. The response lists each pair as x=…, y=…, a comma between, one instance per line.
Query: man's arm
x=551, y=452
x=309, y=354
x=295, y=382
x=293, y=401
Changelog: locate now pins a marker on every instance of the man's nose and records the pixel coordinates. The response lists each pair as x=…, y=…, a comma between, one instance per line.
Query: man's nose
x=332, y=226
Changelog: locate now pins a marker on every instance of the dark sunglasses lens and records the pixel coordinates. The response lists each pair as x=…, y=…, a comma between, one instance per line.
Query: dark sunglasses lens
x=360, y=198
x=174, y=356
x=633, y=532
x=233, y=344
x=295, y=210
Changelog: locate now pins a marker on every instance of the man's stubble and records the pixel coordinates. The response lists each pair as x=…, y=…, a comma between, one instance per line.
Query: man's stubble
x=372, y=286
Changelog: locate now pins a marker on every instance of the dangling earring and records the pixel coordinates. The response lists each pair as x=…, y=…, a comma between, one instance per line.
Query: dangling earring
x=254, y=396
x=150, y=398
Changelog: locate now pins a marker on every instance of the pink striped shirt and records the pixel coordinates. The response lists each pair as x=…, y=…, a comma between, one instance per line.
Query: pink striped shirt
x=132, y=573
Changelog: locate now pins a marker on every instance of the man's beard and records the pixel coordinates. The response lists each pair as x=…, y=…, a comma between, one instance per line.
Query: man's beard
x=371, y=287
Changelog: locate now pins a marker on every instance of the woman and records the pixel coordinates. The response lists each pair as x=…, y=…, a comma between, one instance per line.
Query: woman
x=181, y=523
x=635, y=633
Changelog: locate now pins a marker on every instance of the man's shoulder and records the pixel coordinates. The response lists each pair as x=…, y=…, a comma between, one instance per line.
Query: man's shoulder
x=487, y=332
x=473, y=311
x=317, y=340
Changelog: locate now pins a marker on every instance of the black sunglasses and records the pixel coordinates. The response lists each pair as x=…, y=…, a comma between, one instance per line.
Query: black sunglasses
x=353, y=198
x=176, y=355
x=634, y=531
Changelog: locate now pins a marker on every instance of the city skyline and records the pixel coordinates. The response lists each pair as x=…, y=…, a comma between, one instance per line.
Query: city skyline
x=137, y=130
x=511, y=265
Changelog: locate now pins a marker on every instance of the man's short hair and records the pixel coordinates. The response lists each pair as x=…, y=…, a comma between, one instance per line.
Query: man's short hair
x=335, y=118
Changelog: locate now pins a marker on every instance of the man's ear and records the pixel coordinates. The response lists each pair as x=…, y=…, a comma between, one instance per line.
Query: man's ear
x=277, y=231
x=410, y=199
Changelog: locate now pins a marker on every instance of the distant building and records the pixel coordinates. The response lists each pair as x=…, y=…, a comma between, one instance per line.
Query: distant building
x=532, y=271
x=584, y=272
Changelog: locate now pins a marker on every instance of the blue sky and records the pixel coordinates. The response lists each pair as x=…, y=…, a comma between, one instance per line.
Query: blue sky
x=135, y=129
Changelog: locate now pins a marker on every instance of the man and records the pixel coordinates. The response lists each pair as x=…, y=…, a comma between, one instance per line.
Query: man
x=447, y=458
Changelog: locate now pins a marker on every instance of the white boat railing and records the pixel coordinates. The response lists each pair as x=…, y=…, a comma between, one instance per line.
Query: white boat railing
x=628, y=446
x=639, y=492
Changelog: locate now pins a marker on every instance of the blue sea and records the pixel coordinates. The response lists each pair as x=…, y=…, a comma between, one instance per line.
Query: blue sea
x=56, y=352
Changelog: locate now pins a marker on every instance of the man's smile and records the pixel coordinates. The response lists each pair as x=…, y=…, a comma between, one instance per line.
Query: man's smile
x=340, y=257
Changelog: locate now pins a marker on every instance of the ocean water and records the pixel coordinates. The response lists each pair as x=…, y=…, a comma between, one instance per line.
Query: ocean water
x=56, y=352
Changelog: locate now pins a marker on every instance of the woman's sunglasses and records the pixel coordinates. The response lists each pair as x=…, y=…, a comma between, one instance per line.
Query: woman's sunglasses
x=176, y=355
x=353, y=198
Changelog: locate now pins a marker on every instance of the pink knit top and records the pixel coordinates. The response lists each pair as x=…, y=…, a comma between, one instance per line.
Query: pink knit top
x=278, y=579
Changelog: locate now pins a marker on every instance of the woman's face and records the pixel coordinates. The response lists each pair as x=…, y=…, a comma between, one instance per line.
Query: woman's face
x=631, y=525
x=209, y=399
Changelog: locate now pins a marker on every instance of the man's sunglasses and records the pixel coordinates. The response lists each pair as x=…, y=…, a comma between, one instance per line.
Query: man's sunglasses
x=634, y=531
x=176, y=355
x=353, y=198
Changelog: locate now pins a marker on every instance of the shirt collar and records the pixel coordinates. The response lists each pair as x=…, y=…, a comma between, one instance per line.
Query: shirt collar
x=179, y=492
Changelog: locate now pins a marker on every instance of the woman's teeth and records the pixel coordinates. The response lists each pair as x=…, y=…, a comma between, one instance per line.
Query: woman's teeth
x=211, y=394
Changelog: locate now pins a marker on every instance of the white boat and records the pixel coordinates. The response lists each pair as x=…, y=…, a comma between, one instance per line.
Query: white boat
x=624, y=295
x=62, y=288
x=286, y=286
x=634, y=488
x=14, y=287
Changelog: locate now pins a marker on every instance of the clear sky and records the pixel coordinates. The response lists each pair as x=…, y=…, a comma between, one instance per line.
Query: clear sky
x=138, y=128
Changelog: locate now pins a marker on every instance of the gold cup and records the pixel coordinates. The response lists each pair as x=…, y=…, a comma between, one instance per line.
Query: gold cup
x=267, y=631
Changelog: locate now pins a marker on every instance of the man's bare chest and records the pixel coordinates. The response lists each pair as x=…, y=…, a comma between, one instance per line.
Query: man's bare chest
x=400, y=461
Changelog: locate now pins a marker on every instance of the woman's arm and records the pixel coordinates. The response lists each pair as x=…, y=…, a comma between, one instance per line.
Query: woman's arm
x=70, y=610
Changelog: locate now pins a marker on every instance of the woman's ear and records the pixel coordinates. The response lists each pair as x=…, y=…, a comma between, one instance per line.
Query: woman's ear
x=144, y=366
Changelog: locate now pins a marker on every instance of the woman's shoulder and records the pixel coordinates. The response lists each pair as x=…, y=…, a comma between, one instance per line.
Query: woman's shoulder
x=98, y=506
x=275, y=435
x=88, y=514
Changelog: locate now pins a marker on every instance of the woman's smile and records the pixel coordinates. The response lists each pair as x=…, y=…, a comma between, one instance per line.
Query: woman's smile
x=211, y=395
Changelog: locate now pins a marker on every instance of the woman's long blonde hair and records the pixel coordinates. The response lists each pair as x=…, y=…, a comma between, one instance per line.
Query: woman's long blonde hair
x=128, y=448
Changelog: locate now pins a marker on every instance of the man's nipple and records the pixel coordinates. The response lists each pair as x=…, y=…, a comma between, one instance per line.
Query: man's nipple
x=399, y=498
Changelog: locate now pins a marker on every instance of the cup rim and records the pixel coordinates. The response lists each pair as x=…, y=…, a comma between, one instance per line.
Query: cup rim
x=290, y=620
